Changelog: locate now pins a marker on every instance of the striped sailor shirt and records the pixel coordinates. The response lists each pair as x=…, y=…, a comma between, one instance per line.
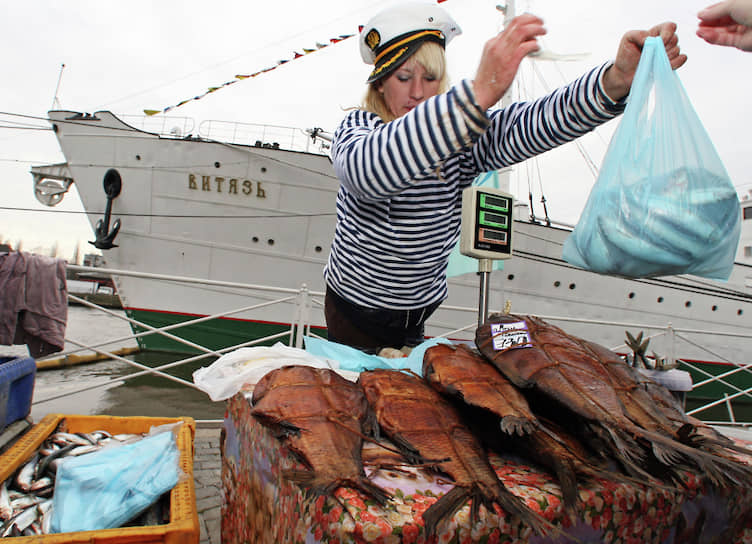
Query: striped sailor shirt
x=400, y=196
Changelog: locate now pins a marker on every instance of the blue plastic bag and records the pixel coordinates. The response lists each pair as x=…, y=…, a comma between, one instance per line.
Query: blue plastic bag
x=357, y=361
x=104, y=489
x=663, y=203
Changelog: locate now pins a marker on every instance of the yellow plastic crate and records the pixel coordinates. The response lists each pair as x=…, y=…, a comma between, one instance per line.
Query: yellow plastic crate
x=183, y=527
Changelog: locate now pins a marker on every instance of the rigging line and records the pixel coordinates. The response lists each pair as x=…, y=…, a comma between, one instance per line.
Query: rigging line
x=43, y=129
x=250, y=150
x=214, y=66
x=25, y=161
x=21, y=123
x=563, y=79
x=728, y=294
x=697, y=283
x=583, y=152
x=167, y=216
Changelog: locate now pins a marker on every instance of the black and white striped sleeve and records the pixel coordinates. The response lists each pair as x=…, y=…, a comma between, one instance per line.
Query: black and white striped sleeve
x=526, y=129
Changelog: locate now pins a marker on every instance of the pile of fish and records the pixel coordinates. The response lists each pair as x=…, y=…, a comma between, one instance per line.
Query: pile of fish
x=26, y=497
x=528, y=388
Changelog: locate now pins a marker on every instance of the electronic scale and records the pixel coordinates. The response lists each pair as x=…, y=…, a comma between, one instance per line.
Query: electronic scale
x=486, y=233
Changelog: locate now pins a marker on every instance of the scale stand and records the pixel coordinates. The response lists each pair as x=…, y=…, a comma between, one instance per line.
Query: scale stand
x=485, y=266
x=486, y=234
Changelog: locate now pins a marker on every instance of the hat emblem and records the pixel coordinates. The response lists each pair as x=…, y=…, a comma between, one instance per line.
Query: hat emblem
x=373, y=39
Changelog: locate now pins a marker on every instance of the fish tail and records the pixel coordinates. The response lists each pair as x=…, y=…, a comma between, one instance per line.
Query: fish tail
x=372, y=490
x=567, y=476
x=512, y=504
x=301, y=477
x=444, y=508
x=316, y=486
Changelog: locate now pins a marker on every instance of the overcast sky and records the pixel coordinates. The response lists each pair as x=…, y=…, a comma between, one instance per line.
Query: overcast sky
x=129, y=56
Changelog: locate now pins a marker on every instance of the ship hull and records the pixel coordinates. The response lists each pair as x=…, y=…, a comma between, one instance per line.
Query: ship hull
x=262, y=215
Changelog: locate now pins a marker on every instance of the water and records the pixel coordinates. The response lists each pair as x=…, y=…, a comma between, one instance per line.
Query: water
x=141, y=396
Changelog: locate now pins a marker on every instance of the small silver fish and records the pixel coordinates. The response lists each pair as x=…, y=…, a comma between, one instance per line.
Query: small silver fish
x=81, y=450
x=69, y=438
x=44, y=506
x=43, y=486
x=47, y=519
x=24, y=502
x=6, y=510
x=26, y=474
x=21, y=521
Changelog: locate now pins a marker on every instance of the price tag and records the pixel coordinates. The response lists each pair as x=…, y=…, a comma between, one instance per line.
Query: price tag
x=510, y=336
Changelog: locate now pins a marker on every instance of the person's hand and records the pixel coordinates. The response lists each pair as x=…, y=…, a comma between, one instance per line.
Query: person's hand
x=502, y=56
x=617, y=80
x=727, y=23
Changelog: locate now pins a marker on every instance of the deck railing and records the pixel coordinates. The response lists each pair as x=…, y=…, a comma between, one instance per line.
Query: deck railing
x=231, y=132
x=304, y=301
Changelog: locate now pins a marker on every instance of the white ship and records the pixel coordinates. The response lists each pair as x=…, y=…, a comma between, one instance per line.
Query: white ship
x=262, y=213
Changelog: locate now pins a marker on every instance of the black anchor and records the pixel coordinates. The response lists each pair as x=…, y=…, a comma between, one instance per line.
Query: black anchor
x=104, y=236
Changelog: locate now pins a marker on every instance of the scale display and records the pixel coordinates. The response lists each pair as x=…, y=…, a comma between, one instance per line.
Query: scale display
x=486, y=223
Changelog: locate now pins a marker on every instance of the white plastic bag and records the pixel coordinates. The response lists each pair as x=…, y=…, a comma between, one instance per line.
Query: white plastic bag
x=225, y=376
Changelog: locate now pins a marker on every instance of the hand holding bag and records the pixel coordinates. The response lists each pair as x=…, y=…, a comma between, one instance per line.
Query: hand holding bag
x=663, y=203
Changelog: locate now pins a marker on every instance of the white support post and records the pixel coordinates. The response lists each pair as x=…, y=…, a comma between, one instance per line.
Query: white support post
x=671, y=337
x=303, y=315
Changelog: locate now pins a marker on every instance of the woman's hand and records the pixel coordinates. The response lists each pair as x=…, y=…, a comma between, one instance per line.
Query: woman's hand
x=617, y=80
x=502, y=56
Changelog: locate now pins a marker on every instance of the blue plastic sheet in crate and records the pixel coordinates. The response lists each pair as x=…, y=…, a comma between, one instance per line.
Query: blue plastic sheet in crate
x=16, y=388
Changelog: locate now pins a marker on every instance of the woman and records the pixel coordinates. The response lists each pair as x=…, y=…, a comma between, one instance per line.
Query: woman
x=404, y=158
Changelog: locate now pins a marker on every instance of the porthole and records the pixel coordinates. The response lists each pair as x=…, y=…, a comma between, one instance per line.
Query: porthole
x=138, y=157
x=557, y=283
x=739, y=311
x=510, y=277
x=216, y=164
x=255, y=239
x=631, y=295
x=318, y=249
x=688, y=304
x=660, y=299
x=714, y=308
x=270, y=241
x=263, y=168
x=572, y=286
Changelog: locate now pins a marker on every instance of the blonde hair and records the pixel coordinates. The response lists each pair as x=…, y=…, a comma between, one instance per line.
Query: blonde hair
x=431, y=57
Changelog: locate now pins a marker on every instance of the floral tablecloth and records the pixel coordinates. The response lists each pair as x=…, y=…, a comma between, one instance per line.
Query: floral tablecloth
x=261, y=506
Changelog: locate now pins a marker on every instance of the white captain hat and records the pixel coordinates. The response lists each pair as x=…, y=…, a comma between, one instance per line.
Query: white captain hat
x=392, y=35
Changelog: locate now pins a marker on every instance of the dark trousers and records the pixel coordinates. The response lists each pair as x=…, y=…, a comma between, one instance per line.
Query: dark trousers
x=370, y=329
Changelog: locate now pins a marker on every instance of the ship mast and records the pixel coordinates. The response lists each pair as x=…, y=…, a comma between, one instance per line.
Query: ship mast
x=505, y=174
x=55, y=101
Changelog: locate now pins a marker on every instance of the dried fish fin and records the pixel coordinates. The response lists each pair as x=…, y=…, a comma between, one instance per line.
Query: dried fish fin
x=459, y=371
x=514, y=425
x=451, y=502
x=444, y=508
x=566, y=474
x=318, y=486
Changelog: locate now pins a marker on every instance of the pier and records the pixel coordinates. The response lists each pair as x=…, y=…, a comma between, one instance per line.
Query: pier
x=207, y=467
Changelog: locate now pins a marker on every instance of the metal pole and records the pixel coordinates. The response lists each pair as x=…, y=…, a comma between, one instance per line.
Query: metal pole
x=484, y=269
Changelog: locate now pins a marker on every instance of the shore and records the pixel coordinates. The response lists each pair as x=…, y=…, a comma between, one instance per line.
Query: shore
x=100, y=299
